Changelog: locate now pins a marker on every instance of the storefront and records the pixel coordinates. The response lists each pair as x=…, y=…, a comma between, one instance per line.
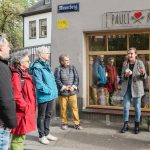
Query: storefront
x=87, y=30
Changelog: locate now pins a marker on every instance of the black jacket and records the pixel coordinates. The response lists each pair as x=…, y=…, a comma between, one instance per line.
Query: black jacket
x=8, y=116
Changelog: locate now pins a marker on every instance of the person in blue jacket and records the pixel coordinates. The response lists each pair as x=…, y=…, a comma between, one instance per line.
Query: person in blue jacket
x=46, y=92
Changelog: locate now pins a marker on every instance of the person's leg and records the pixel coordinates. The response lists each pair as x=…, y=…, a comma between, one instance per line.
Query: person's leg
x=17, y=142
x=48, y=114
x=40, y=119
x=4, y=139
x=127, y=99
x=74, y=108
x=137, y=105
x=63, y=101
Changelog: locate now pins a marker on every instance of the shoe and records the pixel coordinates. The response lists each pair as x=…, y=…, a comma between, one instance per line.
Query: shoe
x=64, y=126
x=78, y=127
x=125, y=127
x=44, y=140
x=136, y=128
x=51, y=137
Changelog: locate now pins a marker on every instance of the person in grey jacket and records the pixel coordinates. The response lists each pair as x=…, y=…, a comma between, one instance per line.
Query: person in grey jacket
x=133, y=74
x=67, y=81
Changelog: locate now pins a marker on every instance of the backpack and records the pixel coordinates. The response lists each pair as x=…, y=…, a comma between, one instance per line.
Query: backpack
x=21, y=75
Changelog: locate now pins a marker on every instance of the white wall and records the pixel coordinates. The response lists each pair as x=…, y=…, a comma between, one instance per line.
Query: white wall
x=89, y=18
x=37, y=40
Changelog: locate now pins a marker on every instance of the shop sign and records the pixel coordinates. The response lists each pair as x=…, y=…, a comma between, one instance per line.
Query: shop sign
x=62, y=24
x=128, y=18
x=68, y=8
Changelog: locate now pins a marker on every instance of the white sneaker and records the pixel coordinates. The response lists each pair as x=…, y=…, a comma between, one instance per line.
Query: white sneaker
x=44, y=140
x=51, y=137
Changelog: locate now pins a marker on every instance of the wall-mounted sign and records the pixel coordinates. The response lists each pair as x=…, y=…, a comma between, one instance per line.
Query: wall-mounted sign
x=62, y=24
x=68, y=8
x=128, y=18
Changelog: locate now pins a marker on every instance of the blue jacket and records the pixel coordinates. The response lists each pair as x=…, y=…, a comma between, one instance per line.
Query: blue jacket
x=46, y=89
x=100, y=73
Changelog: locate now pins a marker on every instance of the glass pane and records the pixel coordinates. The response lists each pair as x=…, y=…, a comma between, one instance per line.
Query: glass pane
x=97, y=43
x=109, y=67
x=117, y=42
x=140, y=41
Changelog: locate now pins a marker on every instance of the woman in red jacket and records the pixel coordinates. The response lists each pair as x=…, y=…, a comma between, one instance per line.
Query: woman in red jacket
x=24, y=92
x=112, y=83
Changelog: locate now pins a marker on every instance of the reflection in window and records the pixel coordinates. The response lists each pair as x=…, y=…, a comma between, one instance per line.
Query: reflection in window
x=32, y=29
x=117, y=42
x=97, y=43
x=140, y=41
x=109, y=93
x=43, y=27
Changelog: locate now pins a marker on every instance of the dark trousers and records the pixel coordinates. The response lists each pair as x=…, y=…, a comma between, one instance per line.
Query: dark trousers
x=44, y=116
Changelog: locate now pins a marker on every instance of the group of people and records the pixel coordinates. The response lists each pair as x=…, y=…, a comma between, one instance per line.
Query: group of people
x=105, y=80
x=25, y=85
x=132, y=84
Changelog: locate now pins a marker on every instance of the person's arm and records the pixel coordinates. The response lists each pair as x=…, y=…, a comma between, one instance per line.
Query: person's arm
x=58, y=79
x=76, y=78
x=21, y=104
x=7, y=103
x=39, y=83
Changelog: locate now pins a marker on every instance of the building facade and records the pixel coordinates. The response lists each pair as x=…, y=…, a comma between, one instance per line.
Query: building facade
x=85, y=29
x=37, y=22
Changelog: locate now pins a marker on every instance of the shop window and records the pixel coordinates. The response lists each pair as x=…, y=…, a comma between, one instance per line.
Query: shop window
x=97, y=43
x=32, y=29
x=43, y=28
x=109, y=93
x=117, y=42
x=140, y=41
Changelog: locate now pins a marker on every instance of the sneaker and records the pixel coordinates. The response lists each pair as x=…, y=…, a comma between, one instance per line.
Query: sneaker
x=78, y=127
x=44, y=140
x=64, y=126
x=51, y=137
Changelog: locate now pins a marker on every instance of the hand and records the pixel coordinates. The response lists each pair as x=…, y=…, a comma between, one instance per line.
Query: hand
x=127, y=74
x=142, y=71
x=71, y=88
x=67, y=88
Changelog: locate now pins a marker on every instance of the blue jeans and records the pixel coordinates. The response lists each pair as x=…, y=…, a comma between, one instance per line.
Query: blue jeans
x=137, y=104
x=4, y=139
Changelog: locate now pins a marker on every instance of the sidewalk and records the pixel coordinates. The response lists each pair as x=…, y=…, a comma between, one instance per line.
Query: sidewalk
x=94, y=136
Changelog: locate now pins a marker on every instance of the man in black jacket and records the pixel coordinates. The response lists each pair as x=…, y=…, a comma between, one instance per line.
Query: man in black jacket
x=8, y=119
x=67, y=82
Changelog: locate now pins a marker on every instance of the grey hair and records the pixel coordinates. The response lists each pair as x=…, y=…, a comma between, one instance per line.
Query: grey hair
x=42, y=50
x=62, y=56
x=132, y=48
x=16, y=60
x=3, y=39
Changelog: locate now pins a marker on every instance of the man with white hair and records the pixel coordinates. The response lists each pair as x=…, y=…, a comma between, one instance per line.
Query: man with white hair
x=46, y=92
x=8, y=119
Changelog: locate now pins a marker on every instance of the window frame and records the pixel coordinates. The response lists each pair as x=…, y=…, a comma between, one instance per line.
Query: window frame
x=101, y=52
x=47, y=2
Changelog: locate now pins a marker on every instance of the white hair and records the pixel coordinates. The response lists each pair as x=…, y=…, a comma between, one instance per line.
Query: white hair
x=42, y=50
x=3, y=40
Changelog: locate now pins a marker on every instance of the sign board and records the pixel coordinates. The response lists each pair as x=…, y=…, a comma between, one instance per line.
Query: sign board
x=68, y=8
x=128, y=18
x=62, y=24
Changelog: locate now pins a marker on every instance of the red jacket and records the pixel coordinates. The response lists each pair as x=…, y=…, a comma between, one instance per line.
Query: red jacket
x=25, y=102
x=112, y=83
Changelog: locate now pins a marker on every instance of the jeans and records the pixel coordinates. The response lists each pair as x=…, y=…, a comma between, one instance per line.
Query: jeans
x=4, y=139
x=137, y=104
x=44, y=115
